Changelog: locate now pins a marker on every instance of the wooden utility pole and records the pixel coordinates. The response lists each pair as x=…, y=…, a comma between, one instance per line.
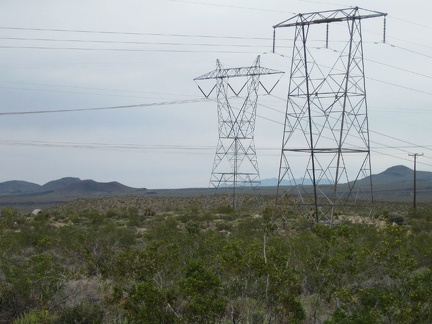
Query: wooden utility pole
x=415, y=176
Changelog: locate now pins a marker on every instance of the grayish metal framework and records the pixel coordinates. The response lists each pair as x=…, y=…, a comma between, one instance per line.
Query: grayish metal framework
x=235, y=162
x=326, y=124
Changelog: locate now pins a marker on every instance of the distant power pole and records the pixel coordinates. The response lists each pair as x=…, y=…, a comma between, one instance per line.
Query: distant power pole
x=415, y=155
x=326, y=132
x=235, y=164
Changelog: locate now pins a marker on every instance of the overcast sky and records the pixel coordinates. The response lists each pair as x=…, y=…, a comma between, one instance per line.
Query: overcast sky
x=75, y=55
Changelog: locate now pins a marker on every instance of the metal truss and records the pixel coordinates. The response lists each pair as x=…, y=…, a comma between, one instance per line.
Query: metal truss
x=235, y=164
x=326, y=132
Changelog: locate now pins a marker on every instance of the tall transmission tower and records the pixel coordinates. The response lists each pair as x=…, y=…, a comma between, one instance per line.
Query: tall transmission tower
x=235, y=164
x=326, y=132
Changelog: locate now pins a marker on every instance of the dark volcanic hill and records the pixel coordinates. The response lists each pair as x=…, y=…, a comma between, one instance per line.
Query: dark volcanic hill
x=16, y=187
x=60, y=183
x=66, y=187
x=91, y=187
x=399, y=175
x=28, y=196
x=395, y=174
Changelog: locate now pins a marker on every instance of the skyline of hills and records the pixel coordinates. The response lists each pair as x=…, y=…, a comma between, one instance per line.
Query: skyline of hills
x=73, y=186
x=393, y=184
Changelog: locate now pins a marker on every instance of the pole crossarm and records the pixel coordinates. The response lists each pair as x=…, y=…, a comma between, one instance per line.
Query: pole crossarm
x=325, y=17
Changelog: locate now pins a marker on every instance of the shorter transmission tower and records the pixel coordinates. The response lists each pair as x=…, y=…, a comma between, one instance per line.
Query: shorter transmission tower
x=235, y=164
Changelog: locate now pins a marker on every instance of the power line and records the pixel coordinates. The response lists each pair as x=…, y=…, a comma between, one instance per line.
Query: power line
x=128, y=33
x=243, y=38
x=106, y=146
x=409, y=50
x=87, y=88
x=400, y=86
x=413, y=23
x=76, y=92
x=122, y=49
x=400, y=69
x=255, y=9
x=126, y=42
x=230, y=6
x=413, y=145
x=164, y=103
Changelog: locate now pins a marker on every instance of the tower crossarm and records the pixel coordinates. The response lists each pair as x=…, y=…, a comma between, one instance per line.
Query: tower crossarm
x=324, y=17
x=237, y=72
x=325, y=150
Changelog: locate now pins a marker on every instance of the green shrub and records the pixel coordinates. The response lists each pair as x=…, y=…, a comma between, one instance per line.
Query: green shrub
x=225, y=209
x=36, y=317
x=202, y=292
x=85, y=312
x=148, y=304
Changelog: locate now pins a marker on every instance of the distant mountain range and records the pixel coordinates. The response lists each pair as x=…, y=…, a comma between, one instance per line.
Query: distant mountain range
x=396, y=180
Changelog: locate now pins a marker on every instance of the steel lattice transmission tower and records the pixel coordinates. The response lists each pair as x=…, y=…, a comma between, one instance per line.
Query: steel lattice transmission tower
x=235, y=162
x=326, y=128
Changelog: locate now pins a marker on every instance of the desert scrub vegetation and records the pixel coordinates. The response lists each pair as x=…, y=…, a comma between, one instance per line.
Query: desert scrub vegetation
x=147, y=263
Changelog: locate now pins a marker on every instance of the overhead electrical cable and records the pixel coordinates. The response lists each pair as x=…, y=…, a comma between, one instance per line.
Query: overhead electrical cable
x=128, y=33
x=93, y=88
x=123, y=49
x=164, y=103
x=399, y=86
x=413, y=145
x=109, y=146
x=413, y=23
x=409, y=50
x=127, y=42
x=252, y=8
x=170, y=35
x=322, y=2
x=81, y=93
x=112, y=146
x=400, y=69
x=395, y=38
x=230, y=6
